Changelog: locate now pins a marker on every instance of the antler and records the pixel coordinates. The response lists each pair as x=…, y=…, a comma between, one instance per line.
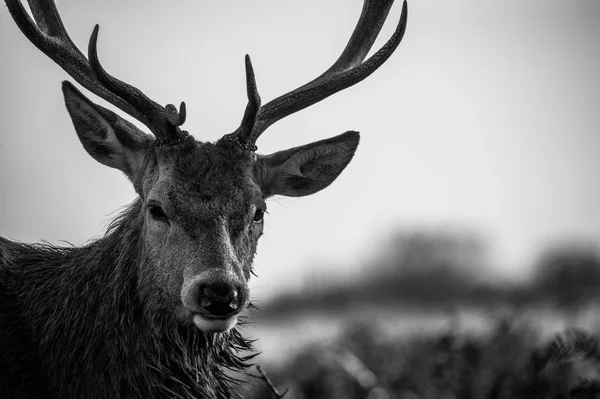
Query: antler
x=49, y=35
x=349, y=69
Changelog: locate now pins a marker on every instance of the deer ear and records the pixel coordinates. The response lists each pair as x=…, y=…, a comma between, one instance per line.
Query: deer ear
x=307, y=169
x=108, y=138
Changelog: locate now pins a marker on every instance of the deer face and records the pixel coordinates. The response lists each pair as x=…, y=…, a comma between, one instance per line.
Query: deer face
x=203, y=217
x=203, y=207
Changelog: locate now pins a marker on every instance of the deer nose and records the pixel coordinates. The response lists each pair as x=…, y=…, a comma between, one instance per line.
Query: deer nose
x=220, y=299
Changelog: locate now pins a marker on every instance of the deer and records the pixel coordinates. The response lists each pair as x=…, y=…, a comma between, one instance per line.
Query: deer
x=153, y=308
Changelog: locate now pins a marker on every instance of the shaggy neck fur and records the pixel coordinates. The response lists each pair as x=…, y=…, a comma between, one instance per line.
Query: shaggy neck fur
x=95, y=336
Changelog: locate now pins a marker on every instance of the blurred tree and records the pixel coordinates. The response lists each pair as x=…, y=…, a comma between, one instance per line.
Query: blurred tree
x=568, y=275
x=420, y=252
x=427, y=267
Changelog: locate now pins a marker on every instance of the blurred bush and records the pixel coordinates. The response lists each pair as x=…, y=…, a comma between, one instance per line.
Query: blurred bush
x=431, y=269
x=507, y=364
x=427, y=251
x=568, y=275
x=434, y=270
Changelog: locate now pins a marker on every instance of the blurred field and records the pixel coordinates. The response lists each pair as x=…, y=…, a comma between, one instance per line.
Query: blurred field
x=281, y=338
x=503, y=356
x=423, y=324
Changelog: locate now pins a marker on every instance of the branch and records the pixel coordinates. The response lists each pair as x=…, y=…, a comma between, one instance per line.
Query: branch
x=263, y=376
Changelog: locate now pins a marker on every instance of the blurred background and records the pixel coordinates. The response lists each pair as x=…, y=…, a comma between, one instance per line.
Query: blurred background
x=464, y=234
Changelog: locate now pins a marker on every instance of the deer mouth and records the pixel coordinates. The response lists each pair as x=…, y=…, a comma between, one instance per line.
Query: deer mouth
x=214, y=324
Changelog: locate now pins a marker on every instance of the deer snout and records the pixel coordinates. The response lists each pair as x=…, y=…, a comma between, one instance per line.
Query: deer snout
x=215, y=299
x=220, y=299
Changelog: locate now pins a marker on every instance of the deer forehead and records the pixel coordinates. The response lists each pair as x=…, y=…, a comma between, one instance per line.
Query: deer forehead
x=206, y=180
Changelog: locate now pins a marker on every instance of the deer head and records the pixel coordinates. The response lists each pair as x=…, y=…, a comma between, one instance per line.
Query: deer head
x=203, y=202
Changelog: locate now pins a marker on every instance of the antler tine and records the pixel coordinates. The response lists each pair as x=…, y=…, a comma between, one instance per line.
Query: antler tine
x=175, y=118
x=159, y=120
x=253, y=106
x=49, y=35
x=241, y=134
x=363, y=37
x=348, y=69
x=47, y=18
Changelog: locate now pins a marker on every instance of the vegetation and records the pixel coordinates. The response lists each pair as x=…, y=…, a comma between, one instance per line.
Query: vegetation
x=432, y=272
x=509, y=363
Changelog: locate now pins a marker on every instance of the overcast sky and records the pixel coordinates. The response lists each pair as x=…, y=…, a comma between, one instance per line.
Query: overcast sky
x=487, y=117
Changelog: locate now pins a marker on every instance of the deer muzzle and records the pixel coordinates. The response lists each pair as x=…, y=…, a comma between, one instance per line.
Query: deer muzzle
x=215, y=299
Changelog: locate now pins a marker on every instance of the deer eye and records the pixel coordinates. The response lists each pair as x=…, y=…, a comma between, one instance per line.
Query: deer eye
x=259, y=215
x=157, y=212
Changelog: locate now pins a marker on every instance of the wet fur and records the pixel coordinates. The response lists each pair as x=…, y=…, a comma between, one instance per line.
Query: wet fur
x=73, y=325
